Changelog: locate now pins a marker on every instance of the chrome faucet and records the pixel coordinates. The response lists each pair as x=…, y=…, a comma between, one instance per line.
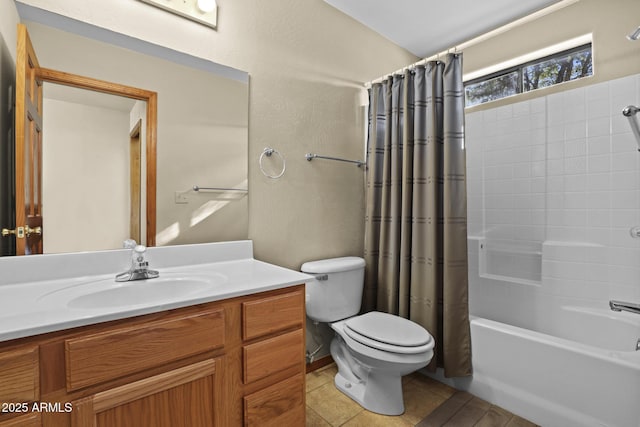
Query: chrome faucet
x=624, y=306
x=139, y=266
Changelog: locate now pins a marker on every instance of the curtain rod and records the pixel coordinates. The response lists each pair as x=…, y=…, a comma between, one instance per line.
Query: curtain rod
x=476, y=40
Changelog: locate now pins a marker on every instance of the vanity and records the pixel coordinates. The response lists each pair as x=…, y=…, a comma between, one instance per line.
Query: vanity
x=221, y=342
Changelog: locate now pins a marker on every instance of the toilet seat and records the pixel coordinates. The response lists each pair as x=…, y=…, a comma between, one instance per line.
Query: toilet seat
x=387, y=332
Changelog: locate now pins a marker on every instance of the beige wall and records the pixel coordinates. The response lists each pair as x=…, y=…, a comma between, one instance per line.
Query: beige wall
x=609, y=21
x=307, y=63
x=85, y=172
x=9, y=20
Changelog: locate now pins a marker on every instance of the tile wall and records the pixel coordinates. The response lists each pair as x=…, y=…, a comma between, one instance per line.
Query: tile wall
x=556, y=180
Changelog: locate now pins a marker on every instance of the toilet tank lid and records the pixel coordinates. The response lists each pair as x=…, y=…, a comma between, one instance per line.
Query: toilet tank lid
x=333, y=265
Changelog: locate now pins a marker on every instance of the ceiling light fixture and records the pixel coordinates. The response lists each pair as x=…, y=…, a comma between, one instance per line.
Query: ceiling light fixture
x=202, y=11
x=206, y=6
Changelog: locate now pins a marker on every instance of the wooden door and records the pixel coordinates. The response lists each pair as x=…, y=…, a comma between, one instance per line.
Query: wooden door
x=28, y=150
x=185, y=397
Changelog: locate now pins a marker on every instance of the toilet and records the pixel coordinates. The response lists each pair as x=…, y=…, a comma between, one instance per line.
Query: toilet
x=373, y=351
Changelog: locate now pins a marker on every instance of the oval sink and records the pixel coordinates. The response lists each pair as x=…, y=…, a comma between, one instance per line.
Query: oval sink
x=138, y=292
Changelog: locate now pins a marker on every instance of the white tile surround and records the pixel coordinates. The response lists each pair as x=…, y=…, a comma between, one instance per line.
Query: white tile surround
x=561, y=173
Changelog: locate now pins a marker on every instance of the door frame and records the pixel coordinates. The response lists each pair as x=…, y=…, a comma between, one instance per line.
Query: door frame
x=135, y=188
x=151, y=98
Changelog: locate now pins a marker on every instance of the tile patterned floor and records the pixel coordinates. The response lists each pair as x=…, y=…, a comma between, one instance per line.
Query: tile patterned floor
x=428, y=403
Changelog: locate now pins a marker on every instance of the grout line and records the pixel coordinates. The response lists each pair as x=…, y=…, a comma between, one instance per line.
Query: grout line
x=352, y=417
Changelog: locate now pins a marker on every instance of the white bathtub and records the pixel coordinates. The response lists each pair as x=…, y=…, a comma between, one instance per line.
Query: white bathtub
x=556, y=382
x=552, y=358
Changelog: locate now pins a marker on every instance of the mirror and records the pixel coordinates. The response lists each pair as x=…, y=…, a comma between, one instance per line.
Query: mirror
x=202, y=135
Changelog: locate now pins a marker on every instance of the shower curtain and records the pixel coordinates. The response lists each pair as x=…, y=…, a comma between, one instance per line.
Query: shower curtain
x=415, y=224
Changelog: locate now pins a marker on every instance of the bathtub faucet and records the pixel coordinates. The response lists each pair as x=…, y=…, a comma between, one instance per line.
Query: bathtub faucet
x=624, y=306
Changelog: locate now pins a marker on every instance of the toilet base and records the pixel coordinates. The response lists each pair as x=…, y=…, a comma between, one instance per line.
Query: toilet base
x=382, y=394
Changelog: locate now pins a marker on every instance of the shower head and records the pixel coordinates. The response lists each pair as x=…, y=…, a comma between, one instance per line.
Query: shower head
x=630, y=112
x=635, y=35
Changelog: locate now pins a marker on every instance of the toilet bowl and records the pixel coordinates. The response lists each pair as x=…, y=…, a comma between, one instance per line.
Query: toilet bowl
x=372, y=351
x=370, y=369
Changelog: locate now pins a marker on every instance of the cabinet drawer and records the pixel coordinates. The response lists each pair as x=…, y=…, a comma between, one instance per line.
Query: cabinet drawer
x=108, y=355
x=272, y=314
x=263, y=358
x=19, y=375
x=281, y=404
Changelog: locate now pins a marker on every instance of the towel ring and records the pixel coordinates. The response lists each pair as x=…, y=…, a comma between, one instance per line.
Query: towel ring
x=268, y=151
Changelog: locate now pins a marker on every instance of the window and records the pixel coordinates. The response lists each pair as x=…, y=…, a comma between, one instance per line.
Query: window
x=560, y=67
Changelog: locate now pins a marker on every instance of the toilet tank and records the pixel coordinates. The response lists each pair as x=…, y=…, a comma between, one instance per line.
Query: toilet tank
x=336, y=293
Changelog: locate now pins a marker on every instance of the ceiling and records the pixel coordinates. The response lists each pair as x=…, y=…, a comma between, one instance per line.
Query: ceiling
x=88, y=97
x=427, y=27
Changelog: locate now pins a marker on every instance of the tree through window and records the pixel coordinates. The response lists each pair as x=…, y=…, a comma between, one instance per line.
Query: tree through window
x=560, y=67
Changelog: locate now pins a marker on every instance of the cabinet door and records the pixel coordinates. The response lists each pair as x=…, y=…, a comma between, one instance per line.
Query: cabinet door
x=185, y=397
x=19, y=375
x=28, y=420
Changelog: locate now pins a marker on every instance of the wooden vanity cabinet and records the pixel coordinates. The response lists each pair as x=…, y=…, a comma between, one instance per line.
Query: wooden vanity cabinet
x=227, y=363
x=19, y=386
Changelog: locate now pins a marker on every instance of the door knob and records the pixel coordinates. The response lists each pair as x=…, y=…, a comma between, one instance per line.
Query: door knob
x=30, y=231
x=18, y=231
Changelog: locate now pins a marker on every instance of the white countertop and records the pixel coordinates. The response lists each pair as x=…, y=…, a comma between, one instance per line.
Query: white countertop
x=34, y=307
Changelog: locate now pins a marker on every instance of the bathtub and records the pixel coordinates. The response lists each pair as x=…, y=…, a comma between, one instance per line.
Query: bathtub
x=547, y=355
x=555, y=381
x=559, y=382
